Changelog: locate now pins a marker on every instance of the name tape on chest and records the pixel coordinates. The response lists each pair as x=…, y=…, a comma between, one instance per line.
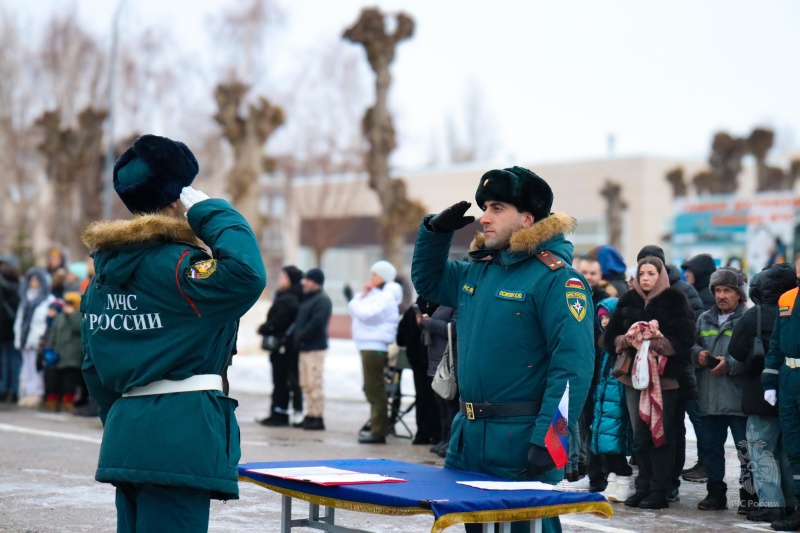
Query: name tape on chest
x=469, y=289
x=517, y=296
x=202, y=269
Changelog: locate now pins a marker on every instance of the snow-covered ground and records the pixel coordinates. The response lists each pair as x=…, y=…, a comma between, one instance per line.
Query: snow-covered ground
x=251, y=371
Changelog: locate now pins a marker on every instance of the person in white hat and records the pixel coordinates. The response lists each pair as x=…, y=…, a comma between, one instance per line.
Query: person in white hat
x=375, y=314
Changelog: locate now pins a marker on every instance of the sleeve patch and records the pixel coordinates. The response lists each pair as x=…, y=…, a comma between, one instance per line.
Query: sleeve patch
x=202, y=269
x=576, y=302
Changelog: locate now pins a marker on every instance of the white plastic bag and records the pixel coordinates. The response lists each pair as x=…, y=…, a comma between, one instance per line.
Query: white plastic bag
x=444, y=381
x=641, y=367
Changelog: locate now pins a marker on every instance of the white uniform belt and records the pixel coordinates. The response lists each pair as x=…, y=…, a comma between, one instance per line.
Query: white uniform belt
x=168, y=386
x=792, y=363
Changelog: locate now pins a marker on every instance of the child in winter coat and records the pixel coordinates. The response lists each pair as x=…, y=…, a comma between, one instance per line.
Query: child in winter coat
x=608, y=466
x=63, y=374
x=29, y=326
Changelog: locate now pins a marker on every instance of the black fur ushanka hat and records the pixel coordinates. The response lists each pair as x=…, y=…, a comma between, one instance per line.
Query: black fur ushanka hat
x=517, y=186
x=151, y=174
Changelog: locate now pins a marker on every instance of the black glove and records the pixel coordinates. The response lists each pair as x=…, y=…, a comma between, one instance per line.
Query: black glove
x=539, y=461
x=451, y=219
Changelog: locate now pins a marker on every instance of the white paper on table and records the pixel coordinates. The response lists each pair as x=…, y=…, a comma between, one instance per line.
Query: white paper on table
x=301, y=471
x=325, y=475
x=508, y=485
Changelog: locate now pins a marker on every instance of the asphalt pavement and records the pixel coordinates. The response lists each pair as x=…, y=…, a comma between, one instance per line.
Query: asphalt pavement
x=47, y=463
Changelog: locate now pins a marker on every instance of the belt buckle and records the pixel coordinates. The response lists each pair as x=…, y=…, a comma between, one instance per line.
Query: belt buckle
x=470, y=411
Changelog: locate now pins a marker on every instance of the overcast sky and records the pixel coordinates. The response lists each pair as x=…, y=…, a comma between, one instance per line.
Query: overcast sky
x=556, y=77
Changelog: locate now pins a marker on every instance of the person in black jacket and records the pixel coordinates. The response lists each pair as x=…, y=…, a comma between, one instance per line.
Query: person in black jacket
x=698, y=271
x=409, y=335
x=283, y=353
x=10, y=358
x=311, y=339
x=671, y=327
x=687, y=392
x=434, y=329
x=772, y=469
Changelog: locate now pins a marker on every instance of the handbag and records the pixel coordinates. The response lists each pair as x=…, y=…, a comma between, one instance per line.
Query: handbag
x=640, y=377
x=622, y=366
x=269, y=343
x=758, y=344
x=444, y=381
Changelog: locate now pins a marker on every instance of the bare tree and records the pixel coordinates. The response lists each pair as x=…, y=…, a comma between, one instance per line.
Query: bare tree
x=475, y=139
x=615, y=207
x=73, y=162
x=327, y=147
x=399, y=212
x=242, y=32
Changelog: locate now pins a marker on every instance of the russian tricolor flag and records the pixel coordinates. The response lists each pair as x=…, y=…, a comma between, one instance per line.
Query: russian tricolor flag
x=557, y=439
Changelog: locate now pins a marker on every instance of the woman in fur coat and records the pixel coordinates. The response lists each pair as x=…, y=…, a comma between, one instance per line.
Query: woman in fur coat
x=30, y=325
x=652, y=311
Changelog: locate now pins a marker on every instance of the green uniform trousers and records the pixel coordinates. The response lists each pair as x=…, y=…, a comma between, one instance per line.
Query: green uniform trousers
x=374, y=365
x=789, y=414
x=160, y=508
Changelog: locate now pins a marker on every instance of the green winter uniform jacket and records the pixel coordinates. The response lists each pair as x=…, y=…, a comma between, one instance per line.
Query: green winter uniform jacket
x=64, y=338
x=160, y=308
x=524, y=331
x=784, y=342
x=718, y=395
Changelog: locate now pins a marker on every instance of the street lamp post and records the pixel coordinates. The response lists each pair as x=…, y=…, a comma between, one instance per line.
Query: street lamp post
x=108, y=168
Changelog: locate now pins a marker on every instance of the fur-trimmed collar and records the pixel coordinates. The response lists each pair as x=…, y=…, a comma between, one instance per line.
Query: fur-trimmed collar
x=528, y=239
x=138, y=230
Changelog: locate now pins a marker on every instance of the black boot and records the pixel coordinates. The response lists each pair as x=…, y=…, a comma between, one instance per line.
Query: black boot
x=657, y=499
x=636, y=499
x=314, y=423
x=275, y=420
x=791, y=523
x=767, y=514
x=747, y=502
x=716, y=499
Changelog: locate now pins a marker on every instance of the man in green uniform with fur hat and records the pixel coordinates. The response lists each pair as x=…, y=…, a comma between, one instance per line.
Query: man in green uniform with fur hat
x=525, y=326
x=159, y=325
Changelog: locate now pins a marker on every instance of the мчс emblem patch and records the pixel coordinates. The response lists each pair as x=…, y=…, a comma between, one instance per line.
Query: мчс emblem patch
x=202, y=269
x=574, y=283
x=576, y=301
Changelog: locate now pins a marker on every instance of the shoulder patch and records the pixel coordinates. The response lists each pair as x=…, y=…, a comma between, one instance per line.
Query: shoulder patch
x=552, y=262
x=576, y=302
x=575, y=283
x=202, y=269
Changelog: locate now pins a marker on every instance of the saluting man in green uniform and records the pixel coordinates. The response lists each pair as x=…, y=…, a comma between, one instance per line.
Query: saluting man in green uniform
x=524, y=327
x=159, y=325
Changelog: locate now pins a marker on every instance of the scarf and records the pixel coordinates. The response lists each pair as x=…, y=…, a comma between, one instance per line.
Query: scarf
x=651, y=402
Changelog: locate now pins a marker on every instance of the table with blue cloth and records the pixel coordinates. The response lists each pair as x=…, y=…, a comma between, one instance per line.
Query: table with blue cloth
x=428, y=490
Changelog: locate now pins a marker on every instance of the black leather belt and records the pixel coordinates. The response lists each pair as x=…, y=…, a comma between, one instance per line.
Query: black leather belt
x=490, y=410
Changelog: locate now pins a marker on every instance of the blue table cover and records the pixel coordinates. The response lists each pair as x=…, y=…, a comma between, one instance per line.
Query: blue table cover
x=429, y=490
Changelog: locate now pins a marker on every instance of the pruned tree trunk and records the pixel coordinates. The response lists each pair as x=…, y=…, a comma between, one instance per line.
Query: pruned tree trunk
x=73, y=163
x=399, y=213
x=247, y=135
x=615, y=207
x=675, y=178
